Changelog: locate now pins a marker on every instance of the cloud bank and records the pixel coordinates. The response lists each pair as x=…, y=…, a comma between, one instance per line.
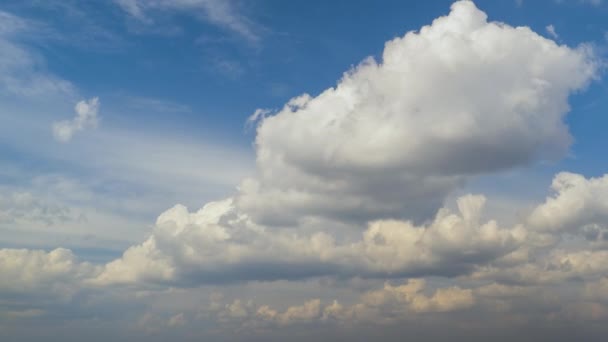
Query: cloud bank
x=461, y=97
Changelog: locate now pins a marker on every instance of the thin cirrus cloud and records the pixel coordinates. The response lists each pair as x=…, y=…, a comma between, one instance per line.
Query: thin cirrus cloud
x=21, y=71
x=221, y=13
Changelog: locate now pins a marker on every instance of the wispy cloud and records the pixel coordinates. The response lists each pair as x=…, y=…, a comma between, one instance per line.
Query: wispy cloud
x=551, y=31
x=22, y=70
x=86, y=117
x=223, y=13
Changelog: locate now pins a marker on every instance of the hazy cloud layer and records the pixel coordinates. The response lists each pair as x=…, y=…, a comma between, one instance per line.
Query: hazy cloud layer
x=219, y=12
x=22, y=71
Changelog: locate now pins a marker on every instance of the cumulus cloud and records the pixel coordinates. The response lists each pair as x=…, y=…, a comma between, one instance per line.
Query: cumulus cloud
x=559, y=265
x=460, y=97
x=38, y=271
x=387, y=304
x=86, y=117
x=352, y=184
x=219, y=244
x=457, y=98
x=578, y=204
x=409, y=297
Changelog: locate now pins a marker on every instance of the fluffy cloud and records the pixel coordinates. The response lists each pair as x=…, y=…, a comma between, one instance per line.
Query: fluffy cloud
x=348, y=183
x=578, y=203
x=217, y=244
x=86, y=117
x=558, y=266
x=460, y=97
x=38, y=271
x=409, y=297
x=385, y=305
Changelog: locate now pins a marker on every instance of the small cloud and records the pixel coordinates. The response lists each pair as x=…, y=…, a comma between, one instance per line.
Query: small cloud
x=86, y=116
x=519, y=3
x=551, y=30
x=257, y=116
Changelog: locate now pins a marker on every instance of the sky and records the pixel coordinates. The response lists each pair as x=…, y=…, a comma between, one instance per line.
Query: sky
x=226, y=170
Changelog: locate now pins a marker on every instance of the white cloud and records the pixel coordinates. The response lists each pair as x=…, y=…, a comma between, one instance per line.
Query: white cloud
x=558, y=266
x=551, y=30
x=385, y=305
x=86, y=117
x=460, y=97
x=307, y=312
x=345, y=186
x=38, y=271
x=219, y=244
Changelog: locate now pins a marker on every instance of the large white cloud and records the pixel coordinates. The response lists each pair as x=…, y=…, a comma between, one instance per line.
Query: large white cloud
x=459, y=97
x=345, y=179
x=217, y=244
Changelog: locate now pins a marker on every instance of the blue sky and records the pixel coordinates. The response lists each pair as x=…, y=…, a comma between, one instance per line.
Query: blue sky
x=120, y=119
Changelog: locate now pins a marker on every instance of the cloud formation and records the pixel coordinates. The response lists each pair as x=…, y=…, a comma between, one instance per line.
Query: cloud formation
x=458, y=98
x=384, y=305
x=218, y=244
x=37, y=271
x=222, y=13
x=351, y=186
x=86, y=117
x=344, y=177
x=577, y=203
